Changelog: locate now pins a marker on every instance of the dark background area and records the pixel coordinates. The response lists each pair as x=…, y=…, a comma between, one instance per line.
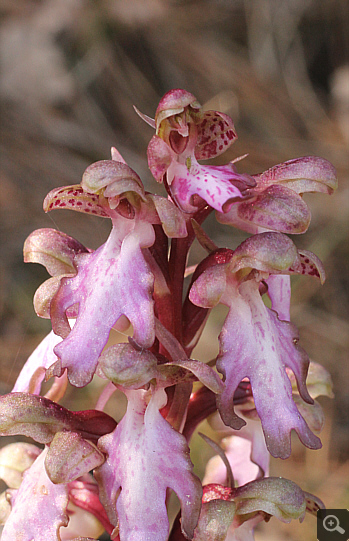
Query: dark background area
x=71, y=71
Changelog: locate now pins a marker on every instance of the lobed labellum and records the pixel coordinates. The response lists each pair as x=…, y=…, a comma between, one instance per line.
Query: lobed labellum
x=145, y=456
x=113, y=281
x=254, y=343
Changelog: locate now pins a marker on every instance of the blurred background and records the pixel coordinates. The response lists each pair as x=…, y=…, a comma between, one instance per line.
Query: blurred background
x=71, y=70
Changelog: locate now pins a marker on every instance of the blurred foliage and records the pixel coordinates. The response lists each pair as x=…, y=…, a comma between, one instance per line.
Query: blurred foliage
x=71, y=70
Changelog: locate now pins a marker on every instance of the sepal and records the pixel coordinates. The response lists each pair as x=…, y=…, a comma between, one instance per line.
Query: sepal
x=53, y=249
x=277, y=208
x=70, y=456
x=40, y=418
x=75, y=198
x=308, y=174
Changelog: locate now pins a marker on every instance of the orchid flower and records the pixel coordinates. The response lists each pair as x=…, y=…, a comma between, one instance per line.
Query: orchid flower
x=58, y=474
x=95, y=474
x=184, y=134
x=232, y=514
x=254, y=343
x=145, y=457
x=270, y=200
x=113, y=281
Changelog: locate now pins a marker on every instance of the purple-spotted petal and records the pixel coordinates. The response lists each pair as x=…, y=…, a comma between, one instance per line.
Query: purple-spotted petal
x=74, y=198
x=309, y=264
x=217, y=185
x=39, y=507
x=145, y=457
x=255, y=344
x=308, y=174
x=113, y=281
x=216, y=133
x=53, y=249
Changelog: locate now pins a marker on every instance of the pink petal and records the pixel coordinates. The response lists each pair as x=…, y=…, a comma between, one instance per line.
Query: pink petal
x=276, y=208
x=41, y=358
x=159, y=157
x=238, y=451
x=245, y=447
x=53, y=249
x=216, y=133
x=70, y=456
x=255, y=344
x=113, y=179
x=113, y=281
x=214, y=184
x=308, y=174
x=39, y=508
x=173, y=103
x=145, y=457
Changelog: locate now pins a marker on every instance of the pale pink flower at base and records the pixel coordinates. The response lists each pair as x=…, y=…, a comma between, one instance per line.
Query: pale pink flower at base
x=145, y=456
